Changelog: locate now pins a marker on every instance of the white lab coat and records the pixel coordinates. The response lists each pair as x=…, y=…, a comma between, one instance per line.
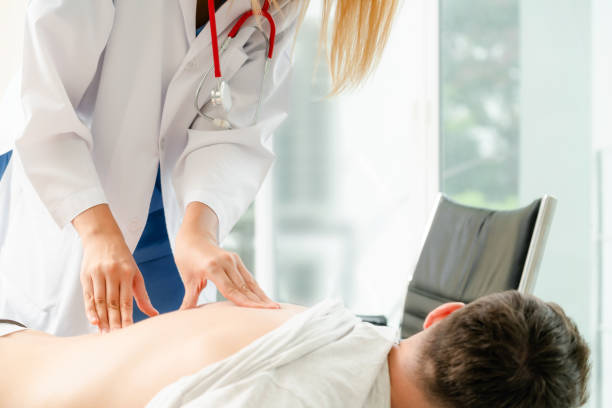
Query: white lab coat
x=106, y=90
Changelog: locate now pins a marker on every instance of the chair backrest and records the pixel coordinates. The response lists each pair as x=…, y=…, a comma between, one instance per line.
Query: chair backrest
x=471, y=252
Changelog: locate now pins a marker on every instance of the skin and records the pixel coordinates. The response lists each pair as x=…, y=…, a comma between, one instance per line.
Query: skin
x=110, y=277
x=405, y=365
x=95, y=370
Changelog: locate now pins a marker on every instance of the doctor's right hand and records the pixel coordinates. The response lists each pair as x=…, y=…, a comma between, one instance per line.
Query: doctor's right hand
x=109, y=275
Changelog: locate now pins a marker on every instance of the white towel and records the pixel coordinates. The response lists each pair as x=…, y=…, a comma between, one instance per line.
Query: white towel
x=321, y=357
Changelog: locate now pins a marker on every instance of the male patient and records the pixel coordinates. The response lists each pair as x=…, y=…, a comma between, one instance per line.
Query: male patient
x=503, y=350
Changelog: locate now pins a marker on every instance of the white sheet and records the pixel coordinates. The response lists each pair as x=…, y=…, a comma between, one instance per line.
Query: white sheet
x=8, y=327
x=322, y=357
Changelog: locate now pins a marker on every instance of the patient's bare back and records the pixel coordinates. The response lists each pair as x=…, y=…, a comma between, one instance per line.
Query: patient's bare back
x=128, y=367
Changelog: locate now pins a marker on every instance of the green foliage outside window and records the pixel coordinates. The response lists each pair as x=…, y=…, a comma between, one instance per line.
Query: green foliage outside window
x=479, y=97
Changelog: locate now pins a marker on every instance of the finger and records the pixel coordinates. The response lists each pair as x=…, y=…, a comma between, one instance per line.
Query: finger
x=125, y=303
x=238, y=281
x=190, y=300
x=231, y=292
x=253, y=285
x=88, y=298
x=142, y=297
x=112, y=303
x=99, y=286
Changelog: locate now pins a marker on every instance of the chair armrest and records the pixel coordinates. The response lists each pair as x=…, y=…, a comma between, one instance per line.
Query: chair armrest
x=377, y=320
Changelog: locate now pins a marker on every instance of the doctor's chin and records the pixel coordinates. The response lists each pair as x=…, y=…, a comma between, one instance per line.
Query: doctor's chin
x=305, y=203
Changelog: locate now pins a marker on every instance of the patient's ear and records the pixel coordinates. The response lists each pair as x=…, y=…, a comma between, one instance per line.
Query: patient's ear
x=441, y=312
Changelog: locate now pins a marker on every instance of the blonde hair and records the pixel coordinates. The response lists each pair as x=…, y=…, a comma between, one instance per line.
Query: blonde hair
x=359, y=33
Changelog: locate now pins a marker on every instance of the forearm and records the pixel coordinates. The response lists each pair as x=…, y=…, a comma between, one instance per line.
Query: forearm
x=201, y=219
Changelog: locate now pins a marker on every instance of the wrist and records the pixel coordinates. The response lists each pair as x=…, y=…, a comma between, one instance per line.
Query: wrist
x=102, y=236
x=189, y=232
x=200, y=221
x=97, y=223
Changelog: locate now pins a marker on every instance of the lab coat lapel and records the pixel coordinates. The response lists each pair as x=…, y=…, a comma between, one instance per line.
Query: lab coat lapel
x=188, y=8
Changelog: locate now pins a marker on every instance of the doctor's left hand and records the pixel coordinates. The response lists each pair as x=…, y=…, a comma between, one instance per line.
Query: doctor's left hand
x=199, y=258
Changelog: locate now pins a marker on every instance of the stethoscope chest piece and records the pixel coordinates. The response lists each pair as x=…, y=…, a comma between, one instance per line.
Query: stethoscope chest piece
x=221, y=96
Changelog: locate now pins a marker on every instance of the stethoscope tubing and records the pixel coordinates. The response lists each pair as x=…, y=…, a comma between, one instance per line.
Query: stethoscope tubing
x=220, y=122
x=217, y=64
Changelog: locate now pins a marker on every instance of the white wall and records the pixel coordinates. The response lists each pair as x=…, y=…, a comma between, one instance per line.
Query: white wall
x=11, y=38
x=602, y=144
x=602, y=73
x=556, y=146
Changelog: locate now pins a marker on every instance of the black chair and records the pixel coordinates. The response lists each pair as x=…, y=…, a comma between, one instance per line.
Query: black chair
x=471, y=252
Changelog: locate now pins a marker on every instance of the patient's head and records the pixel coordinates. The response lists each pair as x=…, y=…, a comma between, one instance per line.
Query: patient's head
x=503, y=350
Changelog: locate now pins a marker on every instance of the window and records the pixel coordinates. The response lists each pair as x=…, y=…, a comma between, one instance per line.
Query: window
x=479, y=105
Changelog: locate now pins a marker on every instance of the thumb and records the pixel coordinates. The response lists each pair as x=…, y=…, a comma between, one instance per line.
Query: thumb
x=142, y=297
x=191, y=297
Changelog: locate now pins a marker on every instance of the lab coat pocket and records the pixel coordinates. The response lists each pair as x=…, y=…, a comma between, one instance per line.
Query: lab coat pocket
x=16, y=274
x=16, y=304
x=256, y=136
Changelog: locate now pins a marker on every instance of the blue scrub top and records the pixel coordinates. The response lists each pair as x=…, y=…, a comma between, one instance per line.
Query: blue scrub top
x=154, y=258
x=4, y=161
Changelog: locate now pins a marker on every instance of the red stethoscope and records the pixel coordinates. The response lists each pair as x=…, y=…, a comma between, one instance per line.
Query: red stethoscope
x=220, y=95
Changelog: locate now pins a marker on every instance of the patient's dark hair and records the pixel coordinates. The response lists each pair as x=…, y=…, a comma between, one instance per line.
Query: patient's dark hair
x=506, y=350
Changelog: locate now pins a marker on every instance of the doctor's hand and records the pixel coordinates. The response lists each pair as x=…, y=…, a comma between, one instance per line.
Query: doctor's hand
x=109, y=275
x=199, y=259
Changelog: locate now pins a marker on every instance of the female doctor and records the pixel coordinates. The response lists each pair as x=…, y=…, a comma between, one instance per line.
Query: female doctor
x=109, y=132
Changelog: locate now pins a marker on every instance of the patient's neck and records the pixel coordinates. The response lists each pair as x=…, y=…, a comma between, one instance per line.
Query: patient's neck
x=404, y=366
